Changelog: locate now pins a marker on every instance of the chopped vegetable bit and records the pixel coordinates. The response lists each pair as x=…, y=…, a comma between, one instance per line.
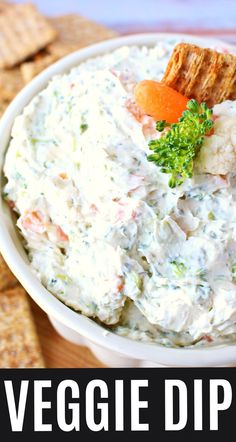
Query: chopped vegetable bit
x=161, y=124
x=62, y=277
x=83, y=128
x=33, y=221
x=137, y=280
x=207, y=338
x=62, y=236
x=234, y=268
x=211, y=216
x=63, y=175
x=34, y=141
x=120, y=284
x=179, y=268
x=202, y=273
x=175, y=151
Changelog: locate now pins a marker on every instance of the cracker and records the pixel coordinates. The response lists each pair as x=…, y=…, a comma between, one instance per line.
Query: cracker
x=4, y=6
x=19, y=345
x=75, y=32
x=23, y=32
x=202, y=73
x=32, y=68
x=7, y=279
x=11, y=83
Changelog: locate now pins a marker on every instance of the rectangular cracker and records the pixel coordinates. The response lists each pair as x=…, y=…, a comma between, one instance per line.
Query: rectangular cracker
x=32, y=68
x=23, y=32
x=11, y=83
x=19, y=345
x=202, y=73
x=73, y=32
x=4, y=6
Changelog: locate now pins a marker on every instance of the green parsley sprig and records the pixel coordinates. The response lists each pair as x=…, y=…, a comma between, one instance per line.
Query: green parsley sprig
x=176, y=149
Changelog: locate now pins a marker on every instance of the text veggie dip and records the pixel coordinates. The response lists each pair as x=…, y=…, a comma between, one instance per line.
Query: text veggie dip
x=115, y=231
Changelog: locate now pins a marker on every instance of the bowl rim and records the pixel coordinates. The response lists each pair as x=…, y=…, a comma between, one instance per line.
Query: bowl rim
x=213, y=356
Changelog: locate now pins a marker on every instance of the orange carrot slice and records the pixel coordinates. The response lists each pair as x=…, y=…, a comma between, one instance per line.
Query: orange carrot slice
x=34, y=222
x=62, y=236
x=159, y=101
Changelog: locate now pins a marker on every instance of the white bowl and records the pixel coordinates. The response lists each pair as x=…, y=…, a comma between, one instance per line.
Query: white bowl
x=111, y=349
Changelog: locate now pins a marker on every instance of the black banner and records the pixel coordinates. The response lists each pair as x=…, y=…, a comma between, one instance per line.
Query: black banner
x=117, y=404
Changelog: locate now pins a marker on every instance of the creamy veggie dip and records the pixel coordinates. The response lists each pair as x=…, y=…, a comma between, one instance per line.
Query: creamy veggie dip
x=104, y=231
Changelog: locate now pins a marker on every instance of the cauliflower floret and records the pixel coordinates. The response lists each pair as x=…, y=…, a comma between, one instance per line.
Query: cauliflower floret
x=218, y=153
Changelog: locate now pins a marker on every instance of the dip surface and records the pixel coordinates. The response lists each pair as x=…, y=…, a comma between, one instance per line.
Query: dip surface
x=103, y=230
